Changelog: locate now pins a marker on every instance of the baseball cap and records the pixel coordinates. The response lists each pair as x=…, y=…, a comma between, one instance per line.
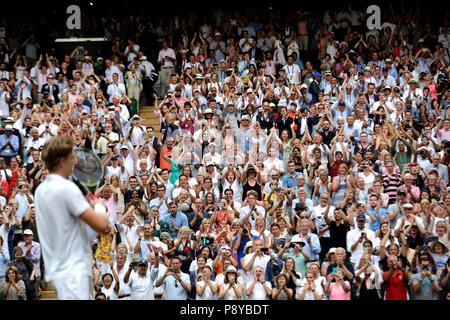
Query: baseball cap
x=28, y=232
x=316, y=74
x=272, y=105
x=217, y=34
x=367, y=69
x=164, y=226
x=9, y=127
x=124, y=147
x=99, y=58
x=245, y=117
x=388, y=61
x=198, y=76
x=225, y=247
x=136, y=117
x=303, y=86
x=142, y=263
x=9, y=119
x=361, y=217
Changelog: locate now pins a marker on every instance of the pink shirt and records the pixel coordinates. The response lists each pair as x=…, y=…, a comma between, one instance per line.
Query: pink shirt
x=111, y=204
x=414, y=190
x=444, y=134
x=338, y=293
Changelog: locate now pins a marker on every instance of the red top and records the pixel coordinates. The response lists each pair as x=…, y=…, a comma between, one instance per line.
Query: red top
x=395, y=287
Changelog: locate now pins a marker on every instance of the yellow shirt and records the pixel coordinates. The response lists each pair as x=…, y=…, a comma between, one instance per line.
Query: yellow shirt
x=103, y=252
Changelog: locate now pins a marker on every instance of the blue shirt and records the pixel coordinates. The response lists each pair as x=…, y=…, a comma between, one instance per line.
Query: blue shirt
x=376, y=224
x=8, y=151
x=163, y=210
x=180, y=220
x=289, y=181
x=240, y=250
x=3, y=260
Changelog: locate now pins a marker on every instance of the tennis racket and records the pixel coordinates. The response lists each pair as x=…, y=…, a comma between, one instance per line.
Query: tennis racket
x=88, y=171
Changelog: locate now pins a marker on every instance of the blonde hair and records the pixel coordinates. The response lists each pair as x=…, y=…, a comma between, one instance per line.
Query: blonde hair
x=55, y=149
x=183, y=229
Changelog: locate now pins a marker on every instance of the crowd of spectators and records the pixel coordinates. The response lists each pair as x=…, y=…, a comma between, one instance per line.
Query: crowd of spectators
x=301, y=156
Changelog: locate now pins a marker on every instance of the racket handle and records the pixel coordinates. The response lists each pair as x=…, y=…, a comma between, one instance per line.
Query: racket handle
x=92, y=196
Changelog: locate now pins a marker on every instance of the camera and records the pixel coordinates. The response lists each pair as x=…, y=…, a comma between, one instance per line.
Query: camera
x=220, y=204
x=245, y=231
x=208, y=241
x=277, y=189
x=264, y=249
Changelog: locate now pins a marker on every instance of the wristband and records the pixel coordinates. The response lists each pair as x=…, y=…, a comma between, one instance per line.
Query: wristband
x=100, y=208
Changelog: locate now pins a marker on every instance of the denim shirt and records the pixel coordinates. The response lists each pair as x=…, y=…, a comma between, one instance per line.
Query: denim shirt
x=3, y=261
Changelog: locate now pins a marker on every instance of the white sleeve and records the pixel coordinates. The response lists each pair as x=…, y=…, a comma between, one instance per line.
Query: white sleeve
x=74, y=200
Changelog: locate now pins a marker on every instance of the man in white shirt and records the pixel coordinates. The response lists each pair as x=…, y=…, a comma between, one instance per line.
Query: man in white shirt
x=293, y=72
x=258, y=289
x=141, y=282
x=357, y=236
x=244, y=43
x=121, y=268
x=115, y=88
x=111, y=69
x=178, y=284
x=48, y=129
x=166, y=59
x=66, y=222
x=131, y=50
x=251, y=211
x=256, y=259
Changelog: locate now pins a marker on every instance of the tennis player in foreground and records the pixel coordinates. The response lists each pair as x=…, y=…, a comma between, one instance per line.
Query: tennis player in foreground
x=63, y=217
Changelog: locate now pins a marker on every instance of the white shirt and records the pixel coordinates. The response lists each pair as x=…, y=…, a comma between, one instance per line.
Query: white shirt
x=317, y=215
x=353, y=236
x=292, y=73
x=130, y=53
x=63, y=236
x=258, y=293
x=109, y=74
x=207, y=294
x=141, y=288
x=259, y=262
x=124, y=288
x=110, y=293
x=166, y=53
x=309, y=295
x=259, y=211
x=116, y=89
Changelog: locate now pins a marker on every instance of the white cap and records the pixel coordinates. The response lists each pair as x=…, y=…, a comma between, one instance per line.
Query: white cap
x=143, y=58
x=303, y=86
x=124, y=147
x=28, y=232
x=9, y=127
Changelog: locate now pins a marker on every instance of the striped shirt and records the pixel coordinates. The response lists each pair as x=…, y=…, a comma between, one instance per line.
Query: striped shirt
x=391, y=185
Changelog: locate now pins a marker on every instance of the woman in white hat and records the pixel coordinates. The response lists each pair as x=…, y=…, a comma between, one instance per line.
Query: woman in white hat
x=231, y=289
x=439, y=252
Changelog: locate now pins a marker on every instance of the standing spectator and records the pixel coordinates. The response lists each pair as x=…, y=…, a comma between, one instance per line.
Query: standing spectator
x=32, y=251
x=396, y=281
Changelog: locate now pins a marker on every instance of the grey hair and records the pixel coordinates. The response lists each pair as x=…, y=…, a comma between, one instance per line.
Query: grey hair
x=340, y=248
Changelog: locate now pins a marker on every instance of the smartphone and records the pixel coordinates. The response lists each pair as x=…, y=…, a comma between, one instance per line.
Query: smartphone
x=220, y=204
x=264, y=249
x=173, y=270
x=245, y=231
x=423, y=248
x=333, y=270
x=277, y=189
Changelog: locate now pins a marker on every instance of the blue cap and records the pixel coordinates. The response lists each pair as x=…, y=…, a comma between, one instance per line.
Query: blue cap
x=316, y=74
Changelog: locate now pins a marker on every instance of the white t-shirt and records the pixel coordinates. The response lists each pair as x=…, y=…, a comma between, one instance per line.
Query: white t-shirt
x=259, y=262
x=142, y=287
x=258, y=293
x=318, y=216
x=64, y=237
x=207, y=294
